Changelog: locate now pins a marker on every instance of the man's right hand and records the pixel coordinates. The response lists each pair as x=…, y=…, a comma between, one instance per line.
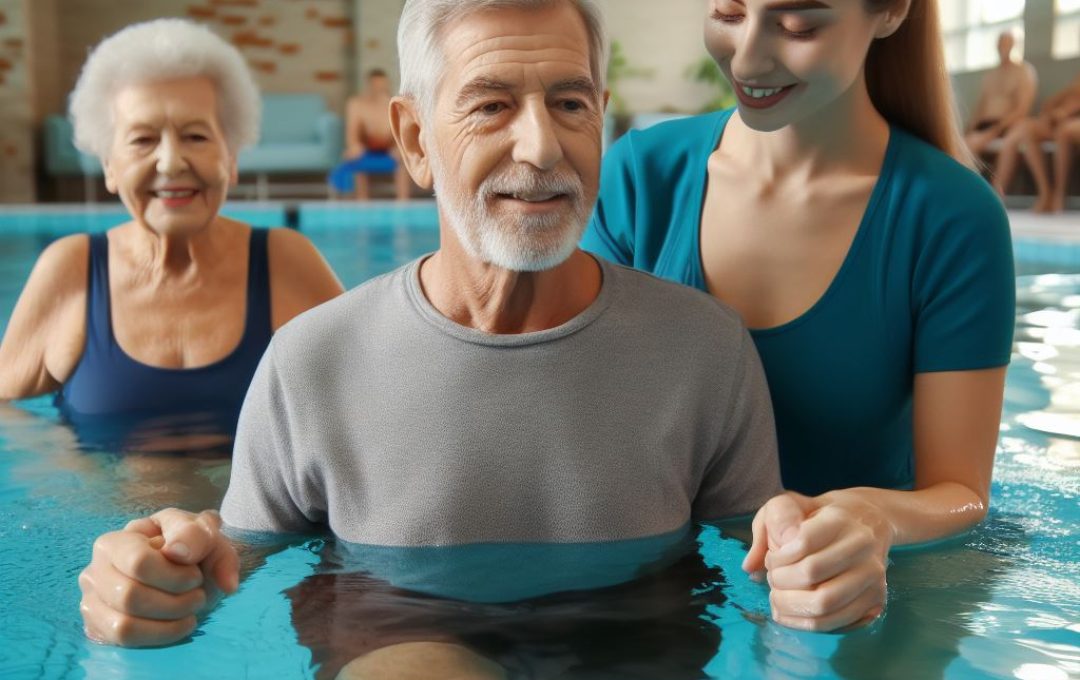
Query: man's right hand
x=146, y=585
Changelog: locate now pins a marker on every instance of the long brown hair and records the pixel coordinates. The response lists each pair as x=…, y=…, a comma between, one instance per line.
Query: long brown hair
x=908, y=82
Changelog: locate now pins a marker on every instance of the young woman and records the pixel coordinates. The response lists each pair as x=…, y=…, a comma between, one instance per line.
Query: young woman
x=833, y=209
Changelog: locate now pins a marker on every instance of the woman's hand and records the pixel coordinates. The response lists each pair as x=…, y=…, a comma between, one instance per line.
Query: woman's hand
x=826, y=559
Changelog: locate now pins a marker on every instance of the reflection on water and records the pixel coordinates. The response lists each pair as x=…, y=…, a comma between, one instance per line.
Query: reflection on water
x=478, y=572
x=935, y=598
x=623, y=609
x=56, y=494
x=672, y=606
x=207, y=433
x=1048, y=345
x=1000, y=602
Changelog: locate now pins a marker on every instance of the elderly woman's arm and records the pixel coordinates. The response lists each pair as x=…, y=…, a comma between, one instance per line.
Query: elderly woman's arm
x=299, y=276
x=45, y=335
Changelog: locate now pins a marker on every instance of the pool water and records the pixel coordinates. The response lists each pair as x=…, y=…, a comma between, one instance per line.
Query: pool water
x=1002, y=601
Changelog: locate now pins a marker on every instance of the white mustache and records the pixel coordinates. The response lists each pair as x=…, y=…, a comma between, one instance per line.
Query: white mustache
x=522, y=180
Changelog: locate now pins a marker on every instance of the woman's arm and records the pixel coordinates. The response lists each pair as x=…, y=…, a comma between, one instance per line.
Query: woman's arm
x=957, y=416
x=826, y=555
x=45, y=335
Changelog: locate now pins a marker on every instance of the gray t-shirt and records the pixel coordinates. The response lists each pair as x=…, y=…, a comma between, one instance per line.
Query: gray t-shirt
x=376, y=415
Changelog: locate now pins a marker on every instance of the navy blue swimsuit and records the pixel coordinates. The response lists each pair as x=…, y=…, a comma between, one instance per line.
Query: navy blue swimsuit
x=115, y=401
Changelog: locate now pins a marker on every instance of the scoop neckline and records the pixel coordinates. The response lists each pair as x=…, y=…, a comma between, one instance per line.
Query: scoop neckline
x=235, y=351
x=872, y=206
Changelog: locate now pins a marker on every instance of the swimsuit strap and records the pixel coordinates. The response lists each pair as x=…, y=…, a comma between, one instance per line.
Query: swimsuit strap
x=258, y=324
x=99, y=333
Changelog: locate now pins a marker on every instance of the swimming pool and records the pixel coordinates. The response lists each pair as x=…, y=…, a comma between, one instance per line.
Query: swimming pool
x=1000, y=602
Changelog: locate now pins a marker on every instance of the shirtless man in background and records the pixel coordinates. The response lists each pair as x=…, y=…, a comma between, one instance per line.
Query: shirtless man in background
x=368, y=139
x=1058, y=122
x=1006, y=97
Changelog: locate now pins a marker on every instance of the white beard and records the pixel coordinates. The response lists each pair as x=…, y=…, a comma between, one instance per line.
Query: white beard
x=531, y=242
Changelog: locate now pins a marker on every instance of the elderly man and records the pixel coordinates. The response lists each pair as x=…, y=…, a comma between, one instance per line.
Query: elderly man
x=508, y=388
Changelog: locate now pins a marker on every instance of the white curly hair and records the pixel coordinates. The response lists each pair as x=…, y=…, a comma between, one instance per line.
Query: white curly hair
x=420, y=55
x=163, y=49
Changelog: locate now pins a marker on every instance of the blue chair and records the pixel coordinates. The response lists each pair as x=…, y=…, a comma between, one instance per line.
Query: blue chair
x=298, y=135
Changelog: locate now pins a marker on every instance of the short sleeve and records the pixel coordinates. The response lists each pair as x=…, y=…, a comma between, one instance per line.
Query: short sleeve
x=964, y=289
x=610, y=231
x=266, y=490
x=745, y=469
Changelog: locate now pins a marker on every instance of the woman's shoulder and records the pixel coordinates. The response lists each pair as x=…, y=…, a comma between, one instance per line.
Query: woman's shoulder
x=672, y=138
x=62, y=265
x=937, y=184
x=291, y=254
x=66, y=249
x=300, y=277
x=285, y=240
x=367, y=309
x=663, y=156
x=942, y=205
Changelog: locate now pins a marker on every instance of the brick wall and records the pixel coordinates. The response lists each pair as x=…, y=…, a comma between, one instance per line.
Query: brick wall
x=292, y=45
x=16, y=124
x=376, y=40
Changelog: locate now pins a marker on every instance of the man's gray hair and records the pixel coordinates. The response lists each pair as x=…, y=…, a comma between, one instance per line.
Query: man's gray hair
x=159, y=50
x=420, y=55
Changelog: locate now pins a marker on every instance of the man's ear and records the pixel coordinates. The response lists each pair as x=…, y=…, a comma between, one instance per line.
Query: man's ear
x=234, y=172
x=893, y=18
x=407, y=126
x=604, y=101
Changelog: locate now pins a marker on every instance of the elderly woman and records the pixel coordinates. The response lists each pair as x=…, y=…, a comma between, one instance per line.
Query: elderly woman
x=169, y=313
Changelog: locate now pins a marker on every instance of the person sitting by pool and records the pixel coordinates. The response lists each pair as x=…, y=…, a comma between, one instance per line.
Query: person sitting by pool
x=168, y=313
x=369, y=144
x=1066, y=146
x=1005, y=98
x=1059, y=122
x=837, y=210
x=508, y=388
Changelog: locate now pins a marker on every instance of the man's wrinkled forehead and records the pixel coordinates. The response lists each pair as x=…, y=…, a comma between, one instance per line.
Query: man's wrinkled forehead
x=501, y=43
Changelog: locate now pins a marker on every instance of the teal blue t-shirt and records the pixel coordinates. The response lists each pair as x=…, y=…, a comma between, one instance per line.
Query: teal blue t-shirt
x=927, y=285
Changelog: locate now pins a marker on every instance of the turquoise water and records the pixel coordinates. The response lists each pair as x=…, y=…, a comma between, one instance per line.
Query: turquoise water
x=1000, y=602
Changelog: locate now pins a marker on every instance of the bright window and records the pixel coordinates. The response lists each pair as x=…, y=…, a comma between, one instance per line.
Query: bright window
x=972, y=27
x=1066, y=29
